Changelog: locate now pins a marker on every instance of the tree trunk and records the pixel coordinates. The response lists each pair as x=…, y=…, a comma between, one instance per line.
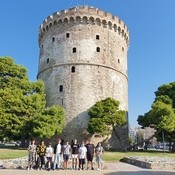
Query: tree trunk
x=117, y=135
x=23, y=141
x=173, y=147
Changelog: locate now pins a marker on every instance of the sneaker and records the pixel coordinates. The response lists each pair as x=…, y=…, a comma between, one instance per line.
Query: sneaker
x=28, y=168
x=98, y=169
x=31, y=168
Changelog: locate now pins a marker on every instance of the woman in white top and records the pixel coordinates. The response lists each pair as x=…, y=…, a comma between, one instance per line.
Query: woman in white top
x=49, y=155
x=82, y=155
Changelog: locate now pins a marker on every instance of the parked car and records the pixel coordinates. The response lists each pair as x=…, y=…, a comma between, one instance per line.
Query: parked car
x=12, y=143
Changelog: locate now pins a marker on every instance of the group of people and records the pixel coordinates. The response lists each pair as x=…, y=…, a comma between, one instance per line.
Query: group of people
x=58, y=156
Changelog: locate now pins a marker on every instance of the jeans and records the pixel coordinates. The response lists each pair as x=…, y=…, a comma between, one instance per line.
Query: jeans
x=57, y=161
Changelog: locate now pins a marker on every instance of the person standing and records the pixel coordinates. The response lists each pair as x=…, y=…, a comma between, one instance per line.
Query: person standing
x=82, y=156
x=32, y=155
x=90, y=154
x=49, y=155
x=66, y=154
x=75, y=148
x=57, y=155
x=98, y=153
x=41, y=152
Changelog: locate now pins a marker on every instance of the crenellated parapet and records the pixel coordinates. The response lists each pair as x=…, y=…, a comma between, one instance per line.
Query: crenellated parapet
x=85, y=15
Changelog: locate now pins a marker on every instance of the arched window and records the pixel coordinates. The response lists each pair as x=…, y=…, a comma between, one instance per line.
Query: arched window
x=61, y=88
x=98, y=49
x=53, y=39
x=48, y=60
x=73, y=69
x=97, y=37
x=67, y=35
x=74, y=50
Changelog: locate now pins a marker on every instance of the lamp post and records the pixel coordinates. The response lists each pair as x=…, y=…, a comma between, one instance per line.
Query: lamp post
x=163, y=139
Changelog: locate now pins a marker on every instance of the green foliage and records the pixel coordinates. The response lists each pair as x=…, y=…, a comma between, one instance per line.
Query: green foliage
x=162, y=113
x=22, y=103
x=49, y=122
x=104, y=116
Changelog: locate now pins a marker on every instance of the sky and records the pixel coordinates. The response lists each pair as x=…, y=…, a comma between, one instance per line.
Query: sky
x=151, y=54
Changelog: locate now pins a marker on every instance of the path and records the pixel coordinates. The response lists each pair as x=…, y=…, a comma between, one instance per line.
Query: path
x=114, y=169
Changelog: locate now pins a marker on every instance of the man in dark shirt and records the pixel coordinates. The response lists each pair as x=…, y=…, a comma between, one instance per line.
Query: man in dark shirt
x=75, y=148
x=90, y=154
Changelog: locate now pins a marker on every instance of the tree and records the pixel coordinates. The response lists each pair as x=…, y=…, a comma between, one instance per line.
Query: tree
x=162, y=113
x=105, y=117
x=23, y=105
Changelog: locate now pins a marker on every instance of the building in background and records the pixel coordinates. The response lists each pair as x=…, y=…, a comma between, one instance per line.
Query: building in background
x=83, y=59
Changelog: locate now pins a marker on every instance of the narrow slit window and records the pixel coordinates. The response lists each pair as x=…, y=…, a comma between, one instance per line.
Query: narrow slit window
x=118, y=60
x=123, y=49
x=61, y=88
x=73, y=69
x=67, y=35
x=98, y=49
x=74, y=50
x=42, y=46
x=62, y=101
x=53, y=39
x=48, y=60
x=97, y=37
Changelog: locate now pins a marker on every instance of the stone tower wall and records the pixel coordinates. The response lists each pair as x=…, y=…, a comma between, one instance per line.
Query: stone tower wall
x=83, y=59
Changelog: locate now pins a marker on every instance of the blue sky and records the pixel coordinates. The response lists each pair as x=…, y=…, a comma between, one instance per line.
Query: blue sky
x=151, y=55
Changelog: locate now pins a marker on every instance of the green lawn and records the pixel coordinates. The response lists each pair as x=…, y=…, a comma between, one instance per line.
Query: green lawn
x=116, y=156
x=108, y=156
x=12, y=153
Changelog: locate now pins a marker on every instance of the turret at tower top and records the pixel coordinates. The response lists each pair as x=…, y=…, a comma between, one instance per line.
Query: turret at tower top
x=85, y=14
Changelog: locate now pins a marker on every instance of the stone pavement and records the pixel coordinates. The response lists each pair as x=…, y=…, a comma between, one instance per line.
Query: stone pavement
x=113, y=169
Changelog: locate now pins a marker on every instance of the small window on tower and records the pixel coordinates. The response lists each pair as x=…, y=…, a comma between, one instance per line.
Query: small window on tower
x=67, y=35
x=74, y=50
x=42, y=46
x=73, y=69
x=53, y=39
x=118, y=60
x=97, y=37
x=61, y=88
x=98, y=49
x=62, y=101
x=48, y=60
x=123, y=49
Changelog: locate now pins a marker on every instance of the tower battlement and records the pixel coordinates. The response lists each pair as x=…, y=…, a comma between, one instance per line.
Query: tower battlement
x=85, y=15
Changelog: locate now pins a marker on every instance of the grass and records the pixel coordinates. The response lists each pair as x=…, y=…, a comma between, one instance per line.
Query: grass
x=116, y=156
x=108, y=156
x=12, y=153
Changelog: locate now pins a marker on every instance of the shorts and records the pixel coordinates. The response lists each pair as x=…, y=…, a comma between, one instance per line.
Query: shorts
x=81, y=161
x=74, y=156
x=66, y=157
x=99, y=159
x=90, y=157
x=49, y=159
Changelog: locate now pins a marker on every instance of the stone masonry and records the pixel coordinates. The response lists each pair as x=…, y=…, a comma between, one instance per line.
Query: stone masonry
x=83, y=59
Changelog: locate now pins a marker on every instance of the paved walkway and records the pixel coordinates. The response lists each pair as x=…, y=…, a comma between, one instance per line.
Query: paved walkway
x=113, y=169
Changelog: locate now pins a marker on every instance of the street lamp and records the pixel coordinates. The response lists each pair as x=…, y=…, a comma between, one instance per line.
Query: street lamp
x=163, y=139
